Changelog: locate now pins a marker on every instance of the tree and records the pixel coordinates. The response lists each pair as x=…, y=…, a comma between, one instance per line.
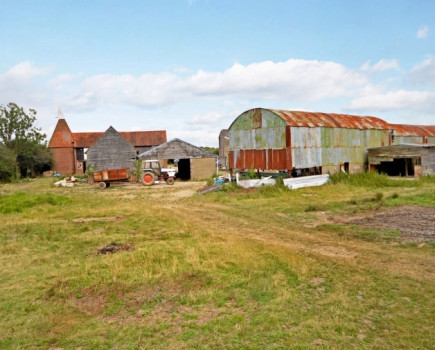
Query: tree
x=8, y=164
x=19, y=134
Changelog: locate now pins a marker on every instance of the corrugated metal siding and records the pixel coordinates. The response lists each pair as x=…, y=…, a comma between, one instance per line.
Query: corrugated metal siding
x=350, y=145
x=306, y=147
x=408, y=139
x=257, y=138
x=271, y=159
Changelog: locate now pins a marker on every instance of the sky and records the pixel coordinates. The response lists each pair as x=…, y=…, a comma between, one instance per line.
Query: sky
x=192, y=66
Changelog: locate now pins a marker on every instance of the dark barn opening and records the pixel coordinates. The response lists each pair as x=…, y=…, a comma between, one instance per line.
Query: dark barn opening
x=184, y=169
x=398, y=167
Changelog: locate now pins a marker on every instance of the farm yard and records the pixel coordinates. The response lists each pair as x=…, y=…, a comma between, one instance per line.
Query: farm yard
x=348, y=264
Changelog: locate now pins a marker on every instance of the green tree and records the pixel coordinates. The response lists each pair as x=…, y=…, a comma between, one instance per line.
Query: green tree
x=8, y=164
x=19, y=134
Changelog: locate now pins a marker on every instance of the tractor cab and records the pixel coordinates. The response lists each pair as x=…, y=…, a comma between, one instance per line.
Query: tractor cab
x=152, y=165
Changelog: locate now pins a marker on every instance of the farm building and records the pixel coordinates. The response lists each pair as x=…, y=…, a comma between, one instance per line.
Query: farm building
x=403, y=159
x=417, y=134
x=224, y=148
x=111, y=151
x=193, y=162
x=68, y=148
x=304, y=142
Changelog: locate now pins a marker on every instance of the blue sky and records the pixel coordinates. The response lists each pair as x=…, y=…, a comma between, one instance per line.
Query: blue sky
x=191, y=67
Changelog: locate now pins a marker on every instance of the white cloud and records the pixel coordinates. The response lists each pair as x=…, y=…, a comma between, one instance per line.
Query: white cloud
x=423, y=73
x=381, y=66
x=307, y=80
x=423, y=32
x=394, y=100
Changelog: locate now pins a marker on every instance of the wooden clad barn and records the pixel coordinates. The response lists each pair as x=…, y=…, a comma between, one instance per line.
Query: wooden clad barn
x=193, y=162
x=403, y=159
x=111, y=151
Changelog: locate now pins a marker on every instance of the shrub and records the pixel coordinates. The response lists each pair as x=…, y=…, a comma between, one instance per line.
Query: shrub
x=8, y=164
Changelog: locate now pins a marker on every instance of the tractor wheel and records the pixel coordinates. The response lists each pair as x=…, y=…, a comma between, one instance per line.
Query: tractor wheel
x=102, y=185
x=170, y=181
x=148, y=178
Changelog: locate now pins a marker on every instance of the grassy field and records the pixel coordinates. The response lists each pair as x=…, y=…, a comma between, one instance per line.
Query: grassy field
x=252, y=269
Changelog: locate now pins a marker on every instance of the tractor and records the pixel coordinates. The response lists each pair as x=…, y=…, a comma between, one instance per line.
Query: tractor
x=153, y=173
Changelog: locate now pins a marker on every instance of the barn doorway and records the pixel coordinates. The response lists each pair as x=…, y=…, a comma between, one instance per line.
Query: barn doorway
x=184, y=169
x=398, y=167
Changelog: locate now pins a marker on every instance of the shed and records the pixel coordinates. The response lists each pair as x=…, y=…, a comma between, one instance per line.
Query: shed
x=111, y=151
x=403, y=159
x=303, y=142
x=193, y=162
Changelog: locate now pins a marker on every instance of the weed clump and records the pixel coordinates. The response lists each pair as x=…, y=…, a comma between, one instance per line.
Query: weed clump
x=378, y=197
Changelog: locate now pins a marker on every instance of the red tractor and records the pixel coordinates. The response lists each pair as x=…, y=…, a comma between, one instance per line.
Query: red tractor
x=153, y=173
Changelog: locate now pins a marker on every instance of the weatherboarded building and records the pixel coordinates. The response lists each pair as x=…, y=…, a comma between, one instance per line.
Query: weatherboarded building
x=111, y=151
x=193, y=162
x=304, y=142
x=69, y=148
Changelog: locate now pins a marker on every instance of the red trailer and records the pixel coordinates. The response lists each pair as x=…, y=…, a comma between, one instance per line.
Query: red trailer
x=107, y=176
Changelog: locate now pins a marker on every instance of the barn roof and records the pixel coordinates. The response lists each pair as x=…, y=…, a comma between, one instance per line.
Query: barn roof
x=63, y=137
x=329, y=120
x=176, y=149
x=136, y=138
x=413, y=130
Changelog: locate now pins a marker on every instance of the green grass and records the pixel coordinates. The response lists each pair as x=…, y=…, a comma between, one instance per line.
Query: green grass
x=230, y=269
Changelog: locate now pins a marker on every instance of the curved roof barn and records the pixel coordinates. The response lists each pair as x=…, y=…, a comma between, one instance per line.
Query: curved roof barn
x=317, y=119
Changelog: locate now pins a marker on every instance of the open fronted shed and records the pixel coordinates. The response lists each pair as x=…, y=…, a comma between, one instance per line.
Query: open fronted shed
x=193, y=162
x=403, y=159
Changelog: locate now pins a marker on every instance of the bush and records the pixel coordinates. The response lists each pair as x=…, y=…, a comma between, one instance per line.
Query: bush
x=8, y=164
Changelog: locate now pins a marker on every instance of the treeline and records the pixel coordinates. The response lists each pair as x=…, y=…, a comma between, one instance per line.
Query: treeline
x=23, y=147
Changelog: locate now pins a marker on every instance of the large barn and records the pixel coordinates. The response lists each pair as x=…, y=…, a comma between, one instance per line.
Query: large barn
x=304, y=142
x=68, y=148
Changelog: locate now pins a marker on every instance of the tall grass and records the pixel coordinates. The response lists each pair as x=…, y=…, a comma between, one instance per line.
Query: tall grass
x=373, y=179
x=19, y=201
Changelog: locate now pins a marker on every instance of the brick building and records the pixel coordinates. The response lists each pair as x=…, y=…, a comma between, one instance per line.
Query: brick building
x=68, y=148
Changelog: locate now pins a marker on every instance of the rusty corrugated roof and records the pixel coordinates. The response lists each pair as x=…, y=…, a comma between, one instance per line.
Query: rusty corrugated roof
x=413, y=130
x=136, y=138
x=329, y=120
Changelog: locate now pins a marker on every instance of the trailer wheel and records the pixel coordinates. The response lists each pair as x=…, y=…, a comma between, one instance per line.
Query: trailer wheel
x=148, y=178
x=102, y=185
x=170, y=181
